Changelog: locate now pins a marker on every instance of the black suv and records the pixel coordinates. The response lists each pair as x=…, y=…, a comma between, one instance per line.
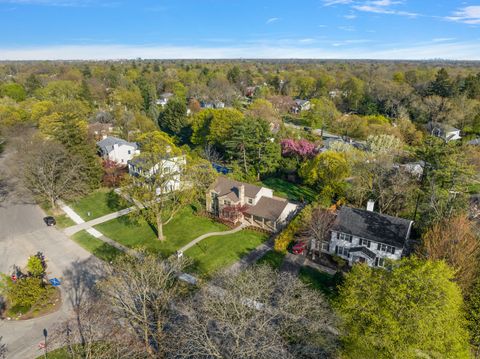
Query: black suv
x=50, y=221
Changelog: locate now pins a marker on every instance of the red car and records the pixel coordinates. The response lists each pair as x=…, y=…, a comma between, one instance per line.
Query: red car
x=299, y=248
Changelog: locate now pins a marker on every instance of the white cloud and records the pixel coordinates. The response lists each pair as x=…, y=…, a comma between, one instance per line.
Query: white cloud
x=348, y=49
x=350, y=16
x=443, y=39
x=272, y=20
x=467, y=15
x=337, y=2
x=383, y=7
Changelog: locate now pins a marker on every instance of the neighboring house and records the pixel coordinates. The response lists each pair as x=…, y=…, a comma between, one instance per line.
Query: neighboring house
x=170, y=167
x=117, y=150
x=446, y=132
x=215, y=104
x=474, y=142
x=164, y=98
x=241, y=202
x=301, y=105
x=364, y=236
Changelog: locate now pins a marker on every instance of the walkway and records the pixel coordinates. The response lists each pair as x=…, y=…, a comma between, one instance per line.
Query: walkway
x=82, y=225
x=252, y=257
x=211, y=234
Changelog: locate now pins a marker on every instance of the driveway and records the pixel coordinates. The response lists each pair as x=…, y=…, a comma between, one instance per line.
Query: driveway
x=23, y=233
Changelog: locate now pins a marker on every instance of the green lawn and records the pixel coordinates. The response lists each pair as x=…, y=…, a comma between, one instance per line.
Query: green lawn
x=63, y=221
x=214, y=253
x=273, y=259
x=98, y=203
x=324, y=282
x=185, y=227
x=95, y=246
x=289, y=190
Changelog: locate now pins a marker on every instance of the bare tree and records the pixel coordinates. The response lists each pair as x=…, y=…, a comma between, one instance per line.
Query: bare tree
x=258, y=313
x=140, y=291
x=211, y=154
x=318, y=228
x=454, y=240
x=51, y=173
x=94, y=333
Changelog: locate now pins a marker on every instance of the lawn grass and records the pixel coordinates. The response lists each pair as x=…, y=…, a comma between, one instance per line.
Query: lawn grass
x=63, y=221
x=214, y=253
x=321, y=281
x=185, y=227
x=95, y=246
x=273, y=259
x=98, y=203
x=289, y=190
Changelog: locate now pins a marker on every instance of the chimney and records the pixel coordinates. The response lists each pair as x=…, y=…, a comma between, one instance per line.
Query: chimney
x=370, y=205
x=104, y=137
x=241, y=194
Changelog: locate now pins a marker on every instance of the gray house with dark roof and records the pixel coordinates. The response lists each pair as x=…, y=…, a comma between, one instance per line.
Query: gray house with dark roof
x=252, y=205
x=364, y=236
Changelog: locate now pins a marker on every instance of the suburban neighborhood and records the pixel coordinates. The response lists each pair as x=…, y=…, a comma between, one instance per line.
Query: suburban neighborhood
x=188, y=181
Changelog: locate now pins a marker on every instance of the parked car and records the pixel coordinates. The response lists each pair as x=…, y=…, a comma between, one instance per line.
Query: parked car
x=299, y=248
x=50, y=221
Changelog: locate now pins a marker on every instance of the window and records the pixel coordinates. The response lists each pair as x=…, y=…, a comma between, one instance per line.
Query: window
x=365, y=242
x=129, y=152
x=385, y=248
x=345, y=237
x=342, y=251
x=250, y=201
x=325, y=246
x=227, y=203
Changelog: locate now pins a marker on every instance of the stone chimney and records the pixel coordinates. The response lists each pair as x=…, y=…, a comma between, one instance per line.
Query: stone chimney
x=370, y=205
x=241, y=194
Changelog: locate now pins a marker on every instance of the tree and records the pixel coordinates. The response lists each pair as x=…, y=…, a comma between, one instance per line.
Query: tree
x=214, y=126
x=35, y=266
x=3, y=349
x=140, y=291
x=258, y=313
x=413, y=310
x=14, y=91
x=252, y=148
x=442, y=86
x=455, y=241
x=52, y=173
x=322, y=114
x=320, y=225
x=326, y=172
x=163, y=186
x=263, y=109
x=173, y=118
x=113, y=173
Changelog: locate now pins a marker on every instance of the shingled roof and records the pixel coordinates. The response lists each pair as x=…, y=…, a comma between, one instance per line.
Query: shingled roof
x=226, y=186
x=268, y=208
x=107, y=143
x=374, y=226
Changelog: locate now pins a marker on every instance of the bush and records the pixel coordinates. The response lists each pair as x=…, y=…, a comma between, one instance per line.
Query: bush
x=286, y=237
x=25, y=292
x=35, y=267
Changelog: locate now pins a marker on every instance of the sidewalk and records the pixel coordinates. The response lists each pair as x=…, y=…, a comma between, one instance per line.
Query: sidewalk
x=81, y=224
x=211, y=234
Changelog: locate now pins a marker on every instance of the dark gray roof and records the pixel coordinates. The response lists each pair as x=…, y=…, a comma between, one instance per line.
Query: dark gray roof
x=268, y=208
x=377, y=227
x=224, y=185
x=363, y=250
x=474, y=142
x=107, y=143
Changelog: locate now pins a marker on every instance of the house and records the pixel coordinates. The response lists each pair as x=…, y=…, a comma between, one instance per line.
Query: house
x=364, y=236
x=446, y=132
x=301, y=105
x=117, y=150
x=169, y=167
x=251, y=205
x=214, y=104
x=474, y=142
x=164, y=98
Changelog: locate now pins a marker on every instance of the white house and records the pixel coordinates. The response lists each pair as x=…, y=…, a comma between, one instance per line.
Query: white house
x=169, y=167
x=446, y=132
x=249, y=204
x=164, y=98
x=301, y=105
x=117, y=150
x=364, y=236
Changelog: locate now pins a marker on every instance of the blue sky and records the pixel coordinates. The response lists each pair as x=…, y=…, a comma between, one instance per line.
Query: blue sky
x=113, y=29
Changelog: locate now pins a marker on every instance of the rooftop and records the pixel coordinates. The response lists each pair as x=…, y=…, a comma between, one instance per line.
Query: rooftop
x=377, y=227
x=268, y=208
x=108, y=142
x=225, y=186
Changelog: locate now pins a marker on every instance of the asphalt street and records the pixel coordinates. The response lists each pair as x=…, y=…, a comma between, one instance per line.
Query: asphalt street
x=23, y=233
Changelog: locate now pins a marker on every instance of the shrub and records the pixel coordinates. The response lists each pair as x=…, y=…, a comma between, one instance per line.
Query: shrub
x=25, y=292
x=286, y=237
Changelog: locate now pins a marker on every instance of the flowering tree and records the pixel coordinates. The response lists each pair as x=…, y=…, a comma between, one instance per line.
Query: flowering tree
x=298, y=148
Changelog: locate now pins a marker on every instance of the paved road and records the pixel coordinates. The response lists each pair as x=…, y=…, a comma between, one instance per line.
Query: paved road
x=23, y=233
